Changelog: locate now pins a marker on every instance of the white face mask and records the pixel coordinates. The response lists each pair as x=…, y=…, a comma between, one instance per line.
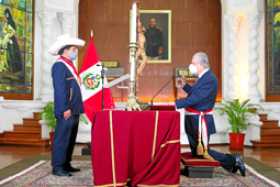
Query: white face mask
x=73, y=55
x=193, y=69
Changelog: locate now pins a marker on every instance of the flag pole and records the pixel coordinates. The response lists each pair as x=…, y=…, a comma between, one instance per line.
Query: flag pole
x=102, y=73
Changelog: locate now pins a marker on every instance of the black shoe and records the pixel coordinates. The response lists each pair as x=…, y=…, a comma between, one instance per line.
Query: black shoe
x=71, y=169
x=234, y=169
x=61, y=173
x=239, y=165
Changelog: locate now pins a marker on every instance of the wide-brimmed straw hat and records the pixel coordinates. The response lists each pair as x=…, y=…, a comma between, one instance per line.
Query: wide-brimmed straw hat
x=63, y=41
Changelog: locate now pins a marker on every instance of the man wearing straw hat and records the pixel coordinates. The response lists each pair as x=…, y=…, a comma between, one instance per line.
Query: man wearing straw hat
x=199, y=121
x=67, y=102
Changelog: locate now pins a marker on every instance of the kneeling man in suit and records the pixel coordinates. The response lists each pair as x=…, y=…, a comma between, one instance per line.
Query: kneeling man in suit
x=199, y=121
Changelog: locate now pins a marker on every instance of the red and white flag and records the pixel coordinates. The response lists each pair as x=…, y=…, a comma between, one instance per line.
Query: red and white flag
x=91, y=87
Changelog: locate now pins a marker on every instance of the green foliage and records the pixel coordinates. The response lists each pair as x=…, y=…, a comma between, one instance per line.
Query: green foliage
x=237, y=113
x=83, y=119
x=48, y=115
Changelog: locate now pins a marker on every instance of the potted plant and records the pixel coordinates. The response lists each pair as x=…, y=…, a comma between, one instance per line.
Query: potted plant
x=237, y=115
x=49, y=118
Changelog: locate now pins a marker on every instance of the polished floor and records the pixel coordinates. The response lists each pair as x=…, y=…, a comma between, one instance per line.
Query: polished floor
x=12, y=154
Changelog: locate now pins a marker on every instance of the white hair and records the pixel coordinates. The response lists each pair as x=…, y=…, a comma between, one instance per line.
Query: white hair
x=202, y=59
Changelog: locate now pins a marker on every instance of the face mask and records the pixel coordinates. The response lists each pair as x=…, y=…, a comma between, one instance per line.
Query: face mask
x=193, y=69
x=73, y=56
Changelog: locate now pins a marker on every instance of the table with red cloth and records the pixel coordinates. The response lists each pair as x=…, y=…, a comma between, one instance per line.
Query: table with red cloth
x=136, y=148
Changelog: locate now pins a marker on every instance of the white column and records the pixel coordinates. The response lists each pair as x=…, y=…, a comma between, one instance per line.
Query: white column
x=68, y=23
x=54, y=23
x=229, y=56
x=46, y=81
x=254, y=57
x=37, y=51
x=241, y=48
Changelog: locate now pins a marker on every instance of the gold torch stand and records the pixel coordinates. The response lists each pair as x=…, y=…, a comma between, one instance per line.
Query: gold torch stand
x=132, y=103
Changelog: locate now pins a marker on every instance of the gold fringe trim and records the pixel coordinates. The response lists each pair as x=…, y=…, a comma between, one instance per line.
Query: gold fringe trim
x=199, y=149
x=158, y=185
x=112, y=148
x=207, y=156
x=169, y=142
x=196, y=159
x=155, y=136
x=111, y=185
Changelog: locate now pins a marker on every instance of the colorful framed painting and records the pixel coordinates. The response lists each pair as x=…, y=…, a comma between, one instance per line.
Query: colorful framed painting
x=16, y=49
x=157, y=30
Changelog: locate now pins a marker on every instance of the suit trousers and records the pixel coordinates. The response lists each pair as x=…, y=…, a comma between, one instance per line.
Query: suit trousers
x=227, y=160
x=64, y=140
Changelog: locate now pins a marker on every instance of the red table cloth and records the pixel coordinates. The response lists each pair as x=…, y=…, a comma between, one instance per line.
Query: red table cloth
x=136, y=148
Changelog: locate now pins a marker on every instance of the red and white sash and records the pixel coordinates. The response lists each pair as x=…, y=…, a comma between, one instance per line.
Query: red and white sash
x=69, y=64
x=202, y=124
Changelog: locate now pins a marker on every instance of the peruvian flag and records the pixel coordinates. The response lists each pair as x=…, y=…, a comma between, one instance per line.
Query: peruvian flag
x=91, y=86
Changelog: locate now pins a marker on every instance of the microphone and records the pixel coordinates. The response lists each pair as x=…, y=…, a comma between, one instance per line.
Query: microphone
x=160, y=90
x=103, y=70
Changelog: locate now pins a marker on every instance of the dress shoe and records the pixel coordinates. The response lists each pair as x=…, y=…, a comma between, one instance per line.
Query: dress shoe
x=239, y=165
x=72, y=169
x=61, y=173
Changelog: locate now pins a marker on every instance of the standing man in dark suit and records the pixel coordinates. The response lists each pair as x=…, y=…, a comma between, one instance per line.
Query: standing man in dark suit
x=199, y=121
x=67, y=101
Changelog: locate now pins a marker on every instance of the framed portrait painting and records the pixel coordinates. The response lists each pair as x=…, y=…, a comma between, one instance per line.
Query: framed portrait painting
x=16, y=49
x=157, y=30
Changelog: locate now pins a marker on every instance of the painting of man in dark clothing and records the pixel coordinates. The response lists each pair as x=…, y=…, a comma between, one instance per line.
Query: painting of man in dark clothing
x=154, y=40
x=157, y=31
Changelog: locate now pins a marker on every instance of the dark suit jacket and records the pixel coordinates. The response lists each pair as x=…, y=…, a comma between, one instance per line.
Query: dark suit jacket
x=202, y=97
x=154, y=40
x=67, y=93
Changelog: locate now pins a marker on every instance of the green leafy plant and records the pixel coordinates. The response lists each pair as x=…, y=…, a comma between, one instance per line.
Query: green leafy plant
x=48, y=115
x=237, y=113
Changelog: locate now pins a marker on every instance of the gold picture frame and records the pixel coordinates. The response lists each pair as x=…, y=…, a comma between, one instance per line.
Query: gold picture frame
x=157, y=28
